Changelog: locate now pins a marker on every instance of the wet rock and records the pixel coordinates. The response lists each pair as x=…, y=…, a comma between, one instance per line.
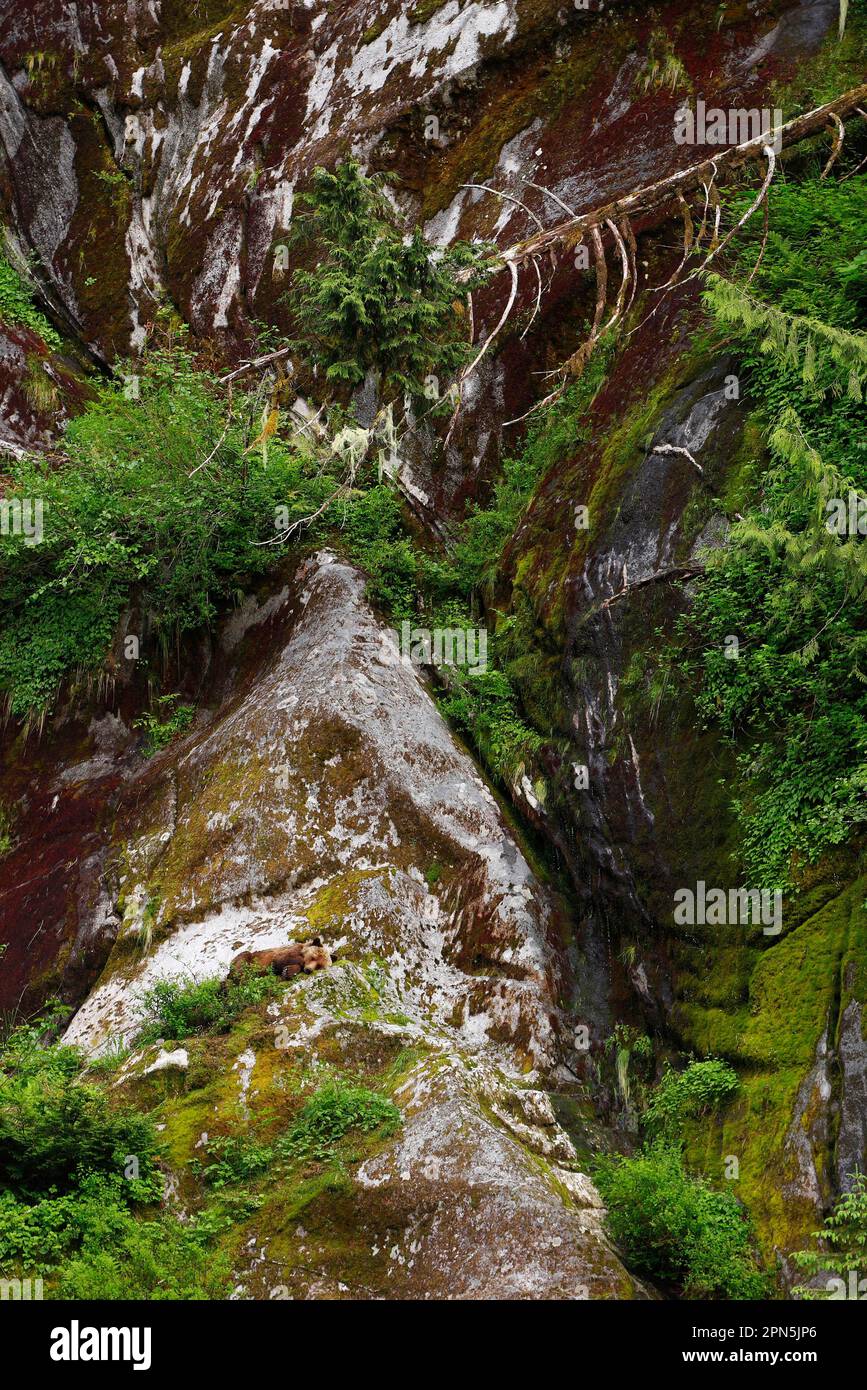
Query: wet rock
x=320, y=793
x=851, y=1149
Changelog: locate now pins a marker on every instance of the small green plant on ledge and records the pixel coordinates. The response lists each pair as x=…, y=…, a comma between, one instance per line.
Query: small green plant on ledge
x=7, y=839
x=663, y=68
x=174, y=1010
x=17, y=308
x=159, y=732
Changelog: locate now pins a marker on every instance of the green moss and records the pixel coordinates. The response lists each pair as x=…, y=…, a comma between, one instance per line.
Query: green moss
x=794, y=994
x=374, y=30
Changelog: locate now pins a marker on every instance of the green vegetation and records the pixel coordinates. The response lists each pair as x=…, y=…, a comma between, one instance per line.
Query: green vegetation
x=377, y=300
x=552, y=435
x=7, y=835
x=82, y=1199
x=172, y=1010
x=17, y=308
x=158, y=733
x=788, y=586
x=335, y=1110
x=668, y=1223
x=161, y=500
x=54, y=1128
x=844, y=1253
x=174, y=492
x=232, y=1158
x=79, y=1183
x=680, y=1095
x=676, y=1228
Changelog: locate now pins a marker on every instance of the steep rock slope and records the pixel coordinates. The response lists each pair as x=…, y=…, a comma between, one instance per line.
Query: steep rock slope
x=315, y=795
x=157, y=149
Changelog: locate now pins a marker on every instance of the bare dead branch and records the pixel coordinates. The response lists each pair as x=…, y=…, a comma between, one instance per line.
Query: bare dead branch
x=625, y=275
x=508, y=197
x=255, y=363
x=656, y=195
x=468, y=371
x=538, y=304
x=772, y=164
x=839, y=137
x=673, y=571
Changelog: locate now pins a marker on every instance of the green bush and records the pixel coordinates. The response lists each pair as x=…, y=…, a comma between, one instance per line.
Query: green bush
x=55, y=1127
x=158, y=733
x=485, y=705
x=676, y=1229
x=70, y=1196
x=377, y=298
x=17, y=307
x=335, y=1110
x=90, y=1245
x=844, y=1238
x=682, y=1095
x=232, y=1158
x=174, y=1010
x=161, y=498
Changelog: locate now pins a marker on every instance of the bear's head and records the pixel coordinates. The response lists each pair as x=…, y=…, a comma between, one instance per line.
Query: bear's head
x=315, y=955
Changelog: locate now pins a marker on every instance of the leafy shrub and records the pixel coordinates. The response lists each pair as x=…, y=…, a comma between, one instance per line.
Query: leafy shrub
x=158, y=733
x=334, y=1111
x=91, y=1246
x=174, y=1010
x=67, y=1208
x=17, y=307
x=680, y=1095
x=232, y=1158
x=485, y=705
x=53, y=1126
x=371, y=528
x=678, y=1230
x=331, y=1113
x=160, y=498
x=844, y=1236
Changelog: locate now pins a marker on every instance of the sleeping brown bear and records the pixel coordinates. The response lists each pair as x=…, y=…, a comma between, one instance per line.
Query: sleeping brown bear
x=284, y=961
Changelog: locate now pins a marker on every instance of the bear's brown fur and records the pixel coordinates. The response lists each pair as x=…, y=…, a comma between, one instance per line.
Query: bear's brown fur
x=284, y=961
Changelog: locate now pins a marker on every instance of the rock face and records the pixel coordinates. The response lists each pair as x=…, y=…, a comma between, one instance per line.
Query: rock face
x=156, y=149
x=314, y=799
x=321, y=792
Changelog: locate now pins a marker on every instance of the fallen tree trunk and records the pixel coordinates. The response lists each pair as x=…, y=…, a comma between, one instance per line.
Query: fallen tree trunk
x=654, y=195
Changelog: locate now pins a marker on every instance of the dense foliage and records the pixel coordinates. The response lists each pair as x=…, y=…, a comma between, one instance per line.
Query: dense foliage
x=788, y=586
x=79, y=1184
x=159, y=498
x=175, y=1010
x=703, y=1086
x=843, y=1251
x=378, y=300
x=669, y=1223
x=677, y=1229
x=17, y=307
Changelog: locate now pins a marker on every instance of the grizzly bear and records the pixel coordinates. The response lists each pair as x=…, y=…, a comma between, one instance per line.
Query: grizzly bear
x=284, y=961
